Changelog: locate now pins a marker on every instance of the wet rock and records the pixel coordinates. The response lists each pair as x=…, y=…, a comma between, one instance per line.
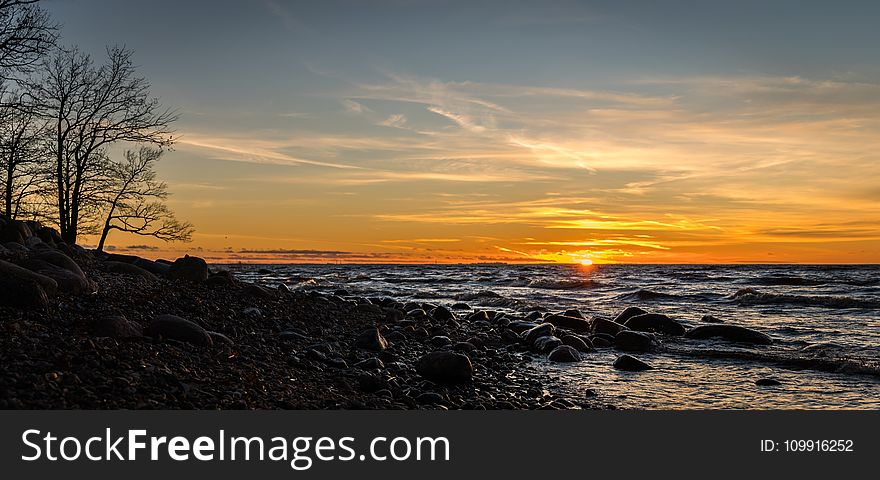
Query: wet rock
x=578, y=343
x=630, y=341
x=440, y=341
x=129, y=269
x=461, y=306
x=545, y=344
x=731, y=333
x=371, y=339
x=655, y=322
x=337, y=362
x=223, y=278
x=767, y=382
x=564, y=353
x=542, y=330
x=601, y=325
x=520, y=326
x=177, y=328
x=190, y=269
x=628, y=313
x=601, y=342
x=629, y=363
x=445, y=366
x=576, y=324
x=574, y=313
x=479, y=315
x=710, y=319
x=117, y=326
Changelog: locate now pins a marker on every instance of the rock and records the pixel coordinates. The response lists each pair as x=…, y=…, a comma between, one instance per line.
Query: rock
x=61, y=260
x=14, y=231
x=767, y=382
x=601, y=342
x=371, y=339
x=117, y=326
x=14, y=273
x=629, y=363
x=578, y=343
x=223, y=278
x=370, y=383
x=257, y=290
x=542, y=330
x=572, y=323
x=630, y=341
x=445, y=366
x=68, y=281
x=190, y=269
x=156, y=268
x=442, y=314
x=564, y=353
x=710, y=319
x=466, y=347
x=176, y=328
x=731, y=333
x=520, y=326
x=129, y=269
x=574, y=313
x=628, y=313
x=337, y=362
x=601, y=325
x=546, y=344
x=252, y=312
x=655, y=322
x=22, y=293
x=220, y=339
x=371, y=363
x=440, y=341
x=461, y=306
x=430, y=398
x=478, y=315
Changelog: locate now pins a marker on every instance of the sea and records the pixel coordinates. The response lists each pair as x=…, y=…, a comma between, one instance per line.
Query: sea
x=824, y=319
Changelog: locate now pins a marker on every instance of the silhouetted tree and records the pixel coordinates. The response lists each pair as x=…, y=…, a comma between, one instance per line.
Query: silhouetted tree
x=89, y=108
x=22, y=151
x=135, y=200
x=26, y=34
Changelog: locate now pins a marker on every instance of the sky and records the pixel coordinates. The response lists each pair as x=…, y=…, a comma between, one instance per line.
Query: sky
x=576, y=132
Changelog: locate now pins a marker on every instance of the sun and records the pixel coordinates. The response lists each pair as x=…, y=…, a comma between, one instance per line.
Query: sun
x=586, y=261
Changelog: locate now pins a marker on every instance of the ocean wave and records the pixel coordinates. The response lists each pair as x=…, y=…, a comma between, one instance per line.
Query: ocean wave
x=840, y=364
x=787, y=280
x=488, y=298
x=548, y=284
x=643, y=295
x=750, y=296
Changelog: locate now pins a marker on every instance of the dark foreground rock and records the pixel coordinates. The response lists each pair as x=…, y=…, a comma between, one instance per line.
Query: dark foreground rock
x=191, y=269
x=448, y=367
x=176, y=328
x=731, y=333
x=630, y=341
x=564, y=353
x=655, y=322
x=629, y=363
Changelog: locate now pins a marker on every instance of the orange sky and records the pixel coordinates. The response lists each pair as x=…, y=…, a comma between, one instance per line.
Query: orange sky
x=560, y=135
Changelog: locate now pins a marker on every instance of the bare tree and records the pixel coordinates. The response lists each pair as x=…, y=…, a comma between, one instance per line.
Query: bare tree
x=89, y=109
x=22, y=155
x=135, y=200
x=26, y=34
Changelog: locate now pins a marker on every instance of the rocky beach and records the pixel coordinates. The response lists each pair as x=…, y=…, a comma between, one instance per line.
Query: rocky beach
x=84, y=329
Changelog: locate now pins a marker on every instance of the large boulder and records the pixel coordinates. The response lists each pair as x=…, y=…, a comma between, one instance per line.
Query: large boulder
x=190, y=269
x=15, y=273
x=601, y=325
x=545, y=344
x=580, y=344
x=17, y=292
x=117, y=326
x=576, y=324
x=628, y=313
x=445, y=366
x=129, y=270
x=631, y=341
x=655, y=322
x=176, y=328
x=731, y=333
x=14, y=231
x=156, y=268
x=564, y=353
x=59, y=259
x=538, y=331
x=67, y=280
x=629, y=363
